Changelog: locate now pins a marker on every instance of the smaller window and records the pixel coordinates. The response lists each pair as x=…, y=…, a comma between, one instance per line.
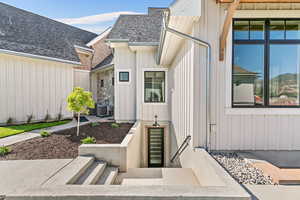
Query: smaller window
x=102, y=83
x=124, y=76
x=154, y=87
x=113, y=81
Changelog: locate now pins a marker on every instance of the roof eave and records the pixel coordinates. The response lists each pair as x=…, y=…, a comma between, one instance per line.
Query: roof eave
x=15, y=53
x=104, y=67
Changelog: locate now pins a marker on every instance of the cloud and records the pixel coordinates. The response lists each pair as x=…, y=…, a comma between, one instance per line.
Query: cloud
x=93, y=19
x=97, y=29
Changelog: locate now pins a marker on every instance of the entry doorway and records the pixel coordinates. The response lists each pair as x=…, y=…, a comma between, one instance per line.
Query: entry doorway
x=155, y=147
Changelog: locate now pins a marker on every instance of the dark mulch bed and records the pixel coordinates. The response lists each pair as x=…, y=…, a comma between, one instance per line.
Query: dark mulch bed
x=64, y=144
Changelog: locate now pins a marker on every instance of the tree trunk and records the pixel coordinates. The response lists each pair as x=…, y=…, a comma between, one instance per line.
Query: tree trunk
x=78, y=123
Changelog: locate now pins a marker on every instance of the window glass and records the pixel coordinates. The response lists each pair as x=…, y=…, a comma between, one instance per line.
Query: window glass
x=293, y=29
x=257, y=30
x=124, y=76
x=284, y=74
x=241, y=30
x=154, y=86
x=102, y=83
x=277, y=29
x=248, y=75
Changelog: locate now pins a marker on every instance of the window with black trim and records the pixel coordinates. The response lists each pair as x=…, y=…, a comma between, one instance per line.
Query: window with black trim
x=266, y=63
x=154, y=86
x=124, y=76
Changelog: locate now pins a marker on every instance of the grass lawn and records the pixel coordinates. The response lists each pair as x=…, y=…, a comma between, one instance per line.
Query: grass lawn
x=14, y=130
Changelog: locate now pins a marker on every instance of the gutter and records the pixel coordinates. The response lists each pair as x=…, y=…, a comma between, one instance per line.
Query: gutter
x=15, y=53
x=84, y=48
x=202, y=43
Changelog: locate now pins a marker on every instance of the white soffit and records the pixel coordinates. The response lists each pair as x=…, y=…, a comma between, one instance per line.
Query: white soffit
x=183, y=14
x=186, y=8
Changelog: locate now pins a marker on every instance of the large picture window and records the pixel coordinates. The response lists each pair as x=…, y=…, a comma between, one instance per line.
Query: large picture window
x=266, y=63
x=155, y=86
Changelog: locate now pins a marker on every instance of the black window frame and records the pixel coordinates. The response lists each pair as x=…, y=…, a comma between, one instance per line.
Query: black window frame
x=266, y=42
x=124, y=80
x=155, y=102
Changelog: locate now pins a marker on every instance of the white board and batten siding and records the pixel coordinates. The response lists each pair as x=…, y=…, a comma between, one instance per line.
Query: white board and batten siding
x=125, y=93
x=145, y=61
x=33, y=86
x=129, y=97
x=238, y=128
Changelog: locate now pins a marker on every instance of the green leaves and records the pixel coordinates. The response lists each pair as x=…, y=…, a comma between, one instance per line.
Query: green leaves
x=88, y=140
x=79, y=101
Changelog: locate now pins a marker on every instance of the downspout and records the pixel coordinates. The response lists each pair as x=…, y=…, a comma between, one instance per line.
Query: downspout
x=200, y=42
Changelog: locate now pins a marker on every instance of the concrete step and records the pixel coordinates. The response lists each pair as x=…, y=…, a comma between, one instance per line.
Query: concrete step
x=95, y=174
x=109, y=176
x=70, y=173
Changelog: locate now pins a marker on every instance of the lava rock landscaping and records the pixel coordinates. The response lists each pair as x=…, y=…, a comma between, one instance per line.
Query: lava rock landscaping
x=64, y=144
x=241, y=170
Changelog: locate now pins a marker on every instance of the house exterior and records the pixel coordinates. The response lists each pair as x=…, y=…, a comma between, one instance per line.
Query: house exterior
x=41, y=60
x=224, y=72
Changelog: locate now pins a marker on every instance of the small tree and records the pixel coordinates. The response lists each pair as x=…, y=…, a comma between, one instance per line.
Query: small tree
x=79, y=101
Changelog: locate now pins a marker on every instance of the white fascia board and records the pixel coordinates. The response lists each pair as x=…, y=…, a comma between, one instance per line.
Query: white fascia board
x=99, y=37
x=15, y=53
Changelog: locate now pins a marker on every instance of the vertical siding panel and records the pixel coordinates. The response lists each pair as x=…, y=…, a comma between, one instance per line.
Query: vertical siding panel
x=24, y=87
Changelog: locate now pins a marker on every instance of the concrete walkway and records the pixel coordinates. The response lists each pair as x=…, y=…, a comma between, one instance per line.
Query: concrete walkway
x=35, y=134
x=23, y=174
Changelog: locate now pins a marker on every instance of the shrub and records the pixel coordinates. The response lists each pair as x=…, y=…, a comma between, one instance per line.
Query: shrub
x=29, y=118
x=45, y=133
x=95, y=124
x=88, y=140
x=4, y=150
x=115, y=125
x=9, y=121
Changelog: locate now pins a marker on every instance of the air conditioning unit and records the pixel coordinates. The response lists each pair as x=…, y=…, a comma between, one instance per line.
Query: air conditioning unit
x=103, y=110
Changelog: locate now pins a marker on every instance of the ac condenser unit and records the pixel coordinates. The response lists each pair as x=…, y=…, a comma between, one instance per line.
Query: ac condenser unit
x=102, y=110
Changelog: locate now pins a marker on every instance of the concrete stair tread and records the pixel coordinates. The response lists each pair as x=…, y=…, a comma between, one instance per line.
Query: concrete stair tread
x=95, y=174
x=70, y=173
x=108, y=176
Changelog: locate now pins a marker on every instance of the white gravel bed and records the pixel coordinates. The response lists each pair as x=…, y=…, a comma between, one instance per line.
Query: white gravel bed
x=241, y=170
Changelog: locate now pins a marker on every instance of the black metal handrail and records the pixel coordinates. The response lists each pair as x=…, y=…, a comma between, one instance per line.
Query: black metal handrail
x=182, y=147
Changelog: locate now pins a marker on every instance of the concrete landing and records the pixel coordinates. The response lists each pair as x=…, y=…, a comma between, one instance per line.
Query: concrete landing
x=23, y=174
x=159, y=176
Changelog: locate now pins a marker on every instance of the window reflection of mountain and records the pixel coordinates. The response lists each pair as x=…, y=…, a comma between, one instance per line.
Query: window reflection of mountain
x=285, y=89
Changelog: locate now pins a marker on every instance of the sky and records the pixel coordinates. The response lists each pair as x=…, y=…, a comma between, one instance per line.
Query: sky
x=92, y=15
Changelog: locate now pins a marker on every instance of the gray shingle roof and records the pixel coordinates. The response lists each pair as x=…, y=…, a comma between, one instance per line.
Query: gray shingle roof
x=106, y=62
x=26, y=32
x=138, y=28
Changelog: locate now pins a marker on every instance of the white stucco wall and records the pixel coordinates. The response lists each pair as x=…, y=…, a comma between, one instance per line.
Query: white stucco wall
x=33, y=86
